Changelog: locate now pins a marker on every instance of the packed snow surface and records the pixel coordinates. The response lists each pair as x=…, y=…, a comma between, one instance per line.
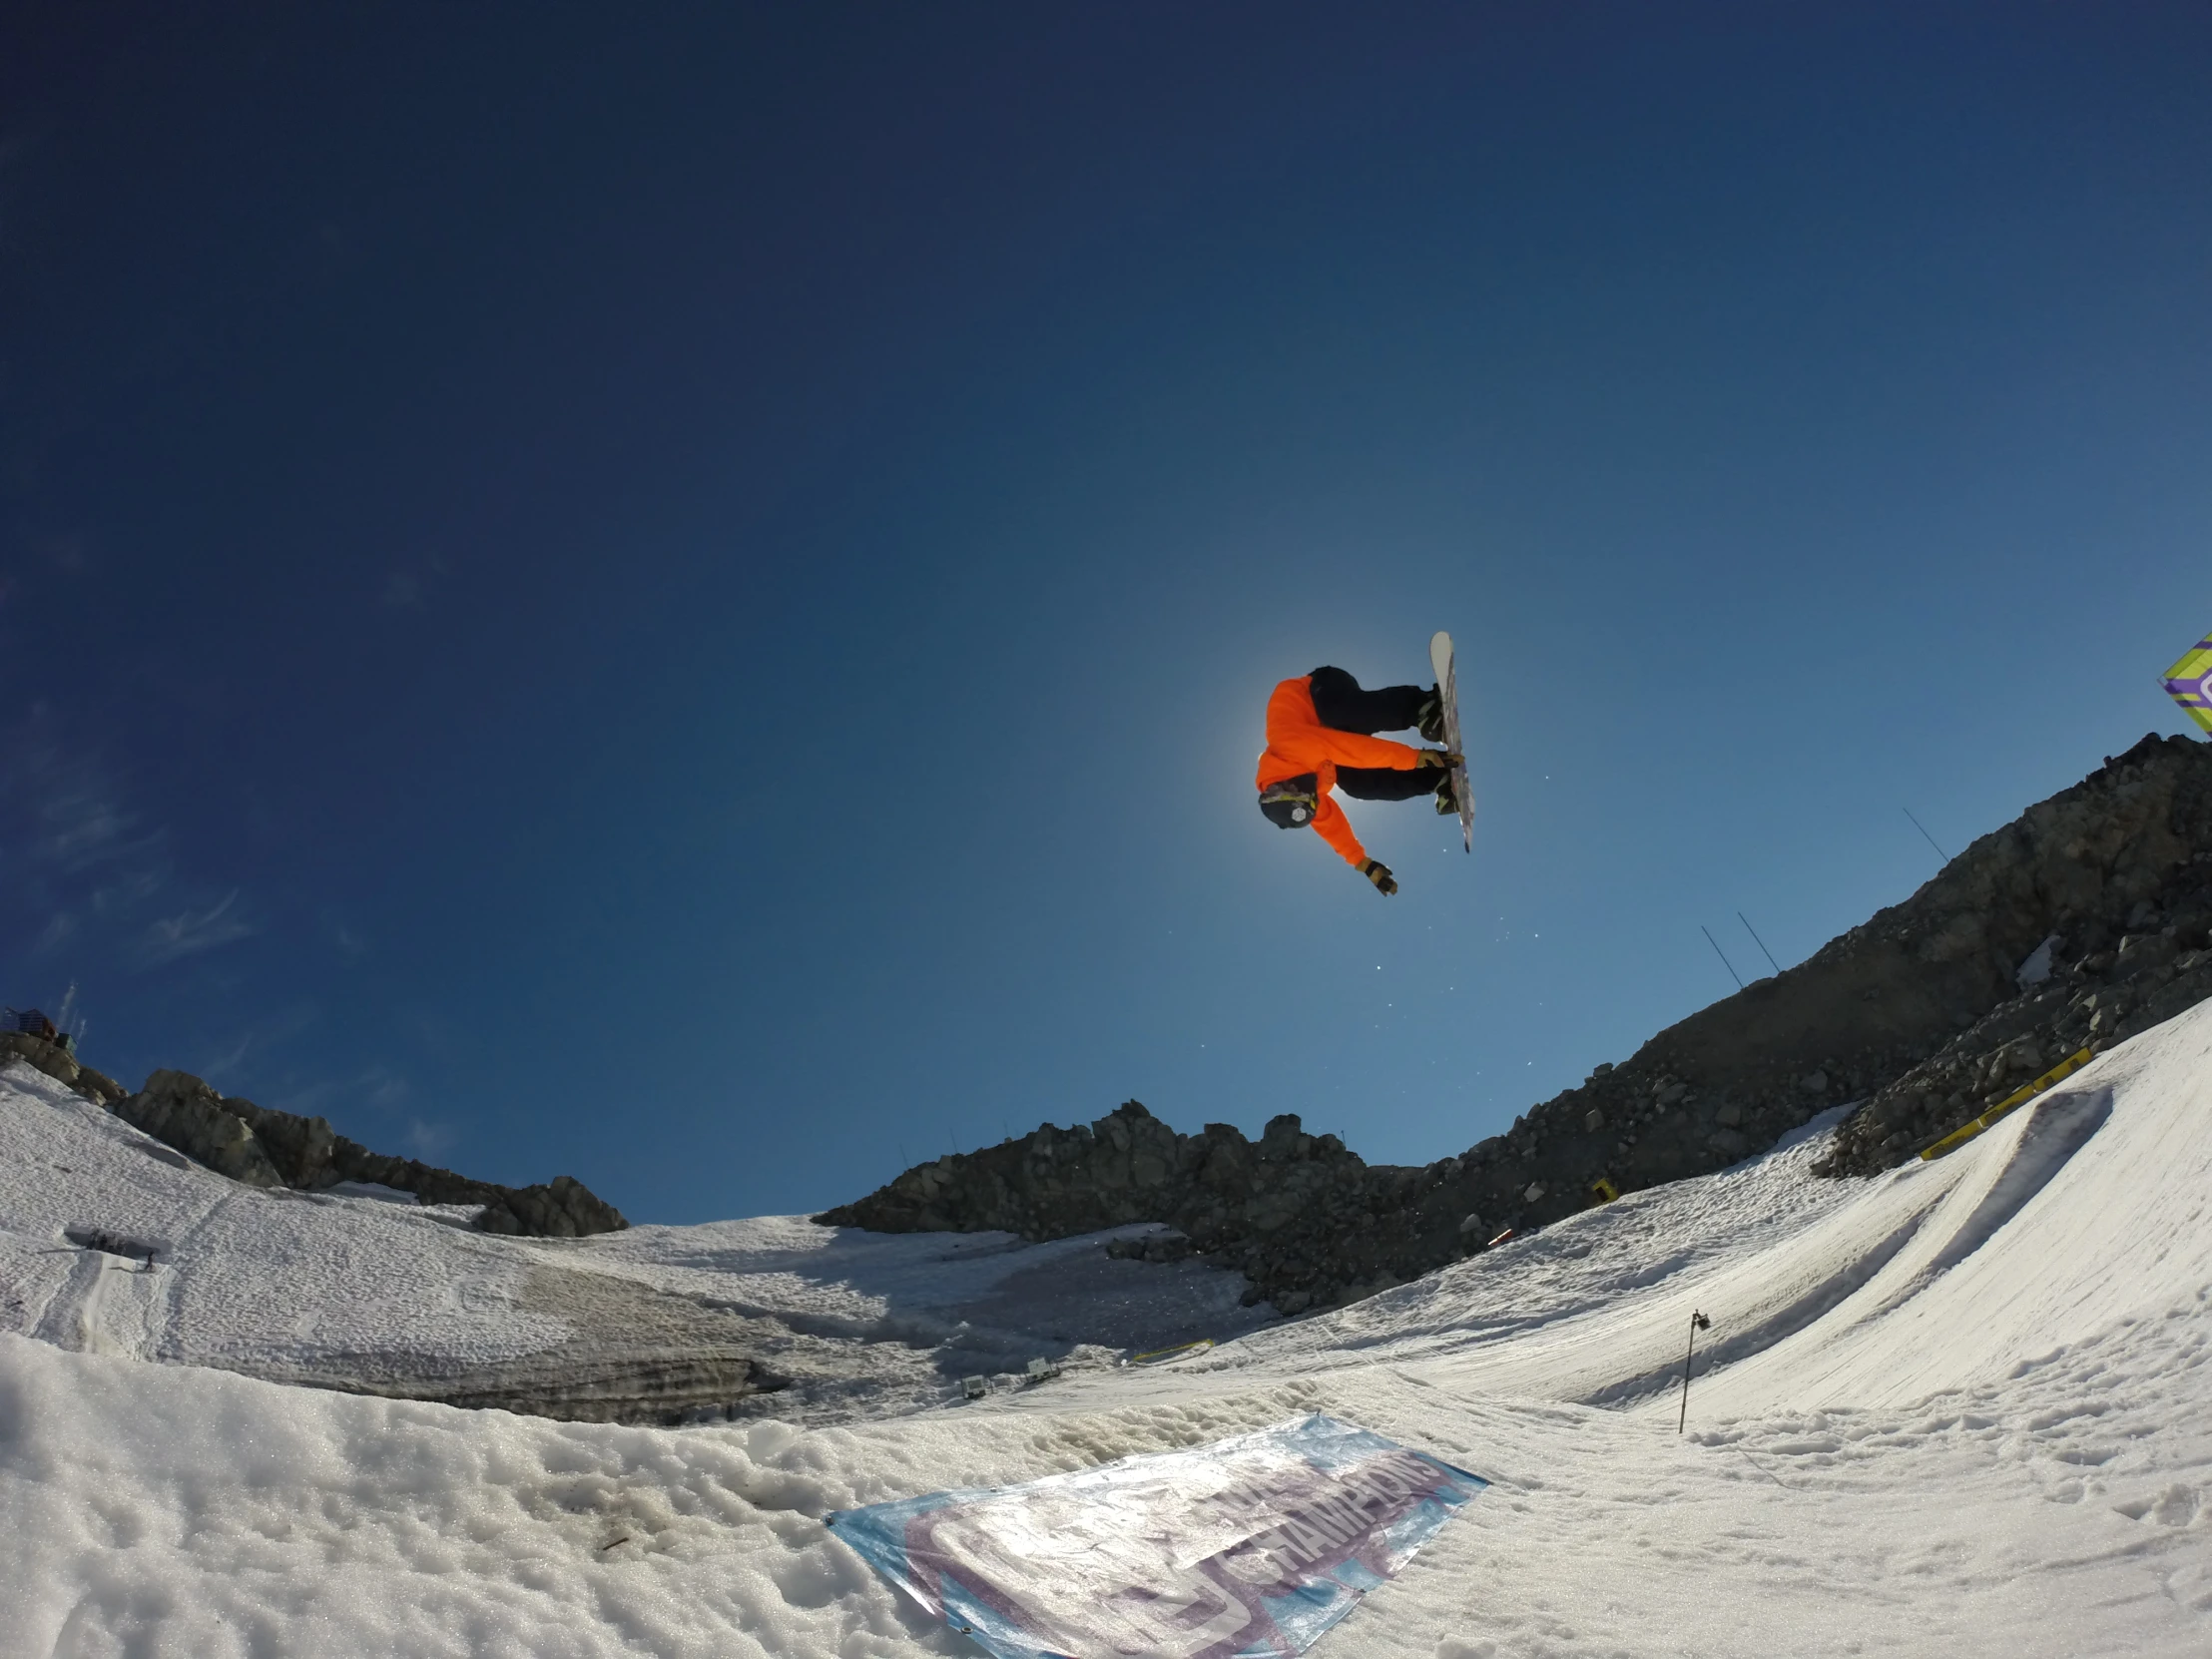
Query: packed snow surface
x=1964, y=1408
x=111, y=1243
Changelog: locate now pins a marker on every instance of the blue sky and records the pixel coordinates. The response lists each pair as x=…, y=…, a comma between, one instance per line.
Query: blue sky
x=688, y=601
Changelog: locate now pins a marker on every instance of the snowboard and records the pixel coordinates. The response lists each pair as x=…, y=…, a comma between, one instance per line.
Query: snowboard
x=1448, y=683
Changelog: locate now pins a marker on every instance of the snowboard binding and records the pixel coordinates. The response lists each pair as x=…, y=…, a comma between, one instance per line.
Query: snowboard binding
x=1429, y=722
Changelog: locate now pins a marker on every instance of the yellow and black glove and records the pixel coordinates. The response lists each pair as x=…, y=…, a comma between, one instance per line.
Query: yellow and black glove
x=1435, y=758
x=1380, y=873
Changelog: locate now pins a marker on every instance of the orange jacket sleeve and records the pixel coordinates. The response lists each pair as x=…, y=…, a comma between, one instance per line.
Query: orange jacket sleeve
x=1356, y=748
x=1334, y=827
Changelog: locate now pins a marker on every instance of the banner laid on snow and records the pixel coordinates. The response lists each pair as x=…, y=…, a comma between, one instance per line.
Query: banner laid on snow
x=1245, y=1549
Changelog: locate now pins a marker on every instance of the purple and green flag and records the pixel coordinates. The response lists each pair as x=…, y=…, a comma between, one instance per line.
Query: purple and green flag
x=2189, y=683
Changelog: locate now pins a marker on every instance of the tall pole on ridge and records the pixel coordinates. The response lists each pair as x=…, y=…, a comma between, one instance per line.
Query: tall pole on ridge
x=1722, y=954
x=1698, y=1322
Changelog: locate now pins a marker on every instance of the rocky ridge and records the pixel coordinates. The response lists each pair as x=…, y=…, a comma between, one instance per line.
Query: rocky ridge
x=2098, y=990
x=263, y=1147
x=1928, y=1012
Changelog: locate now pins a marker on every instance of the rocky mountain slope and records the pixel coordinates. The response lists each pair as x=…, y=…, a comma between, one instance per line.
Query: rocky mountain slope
x=1928, y=1012
x=263, y=1147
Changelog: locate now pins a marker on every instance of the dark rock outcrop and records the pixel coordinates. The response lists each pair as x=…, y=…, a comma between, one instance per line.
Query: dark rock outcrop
x=179, y=1111
x=62, y=1065
x=264, y=1147
x=1306, y=1218
x=1920, y=1012
x=2100, y=998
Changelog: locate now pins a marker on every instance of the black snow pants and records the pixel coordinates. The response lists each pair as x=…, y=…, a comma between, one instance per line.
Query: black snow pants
x=1340, y=704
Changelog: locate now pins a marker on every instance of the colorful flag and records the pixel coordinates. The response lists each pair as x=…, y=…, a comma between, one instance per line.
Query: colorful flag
x=2189, y=683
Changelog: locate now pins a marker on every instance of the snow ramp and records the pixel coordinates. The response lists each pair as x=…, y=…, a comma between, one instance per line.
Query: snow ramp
x=2086, y=1210
x=2087, y=1213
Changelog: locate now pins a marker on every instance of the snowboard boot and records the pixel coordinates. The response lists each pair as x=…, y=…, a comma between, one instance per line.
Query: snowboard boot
x=1429, y=722
x=1447, y=803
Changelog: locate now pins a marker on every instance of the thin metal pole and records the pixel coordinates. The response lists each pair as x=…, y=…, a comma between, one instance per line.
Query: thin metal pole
x=1757, y=941
x=1722, y=954
x=1923, y=828
x=1697, y=1321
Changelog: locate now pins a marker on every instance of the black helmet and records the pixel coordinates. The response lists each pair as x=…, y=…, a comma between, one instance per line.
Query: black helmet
x=1292, y=802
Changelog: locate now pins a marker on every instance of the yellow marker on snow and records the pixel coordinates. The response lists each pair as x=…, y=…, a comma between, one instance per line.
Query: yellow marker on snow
x=1605, y=1190
x=1175, y=1353
x=2017, y=1098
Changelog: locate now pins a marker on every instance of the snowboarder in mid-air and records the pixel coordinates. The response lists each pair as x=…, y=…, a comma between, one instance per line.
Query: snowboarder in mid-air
x=1321, y=737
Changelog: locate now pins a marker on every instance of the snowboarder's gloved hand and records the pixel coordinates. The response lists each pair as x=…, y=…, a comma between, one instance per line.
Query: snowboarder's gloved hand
x=1435, y=758
x=1380, y=873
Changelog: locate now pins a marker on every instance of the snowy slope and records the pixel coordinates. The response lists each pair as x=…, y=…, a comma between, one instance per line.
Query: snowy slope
x=359, y=1292
x=1964, y=1408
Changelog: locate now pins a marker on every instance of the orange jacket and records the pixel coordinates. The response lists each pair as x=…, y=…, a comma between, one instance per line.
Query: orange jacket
x=1297, y=743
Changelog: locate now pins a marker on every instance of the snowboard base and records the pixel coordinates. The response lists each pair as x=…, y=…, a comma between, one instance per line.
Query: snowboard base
x=1447, y=683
